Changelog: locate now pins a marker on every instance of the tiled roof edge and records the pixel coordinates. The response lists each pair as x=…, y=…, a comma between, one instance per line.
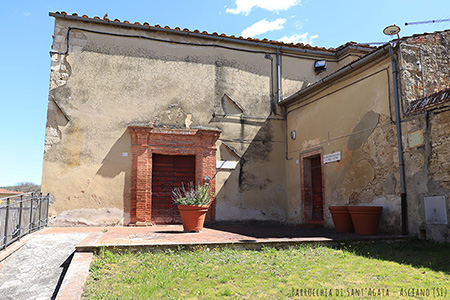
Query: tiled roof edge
x=6, y=191
x=204, y=34
x=404, y=38
x=432, y=101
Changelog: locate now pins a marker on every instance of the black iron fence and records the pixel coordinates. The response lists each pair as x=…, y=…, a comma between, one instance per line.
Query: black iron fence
x=22, y=214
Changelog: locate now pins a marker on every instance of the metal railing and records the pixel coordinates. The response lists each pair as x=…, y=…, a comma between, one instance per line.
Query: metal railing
x=21, y=215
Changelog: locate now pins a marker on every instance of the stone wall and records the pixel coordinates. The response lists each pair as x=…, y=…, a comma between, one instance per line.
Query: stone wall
x=430, y=53
x=427, y=165
x=427, y=171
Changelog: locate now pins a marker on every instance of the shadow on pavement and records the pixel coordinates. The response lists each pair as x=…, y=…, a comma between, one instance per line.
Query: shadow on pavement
x=65, y=265
x=264, y=230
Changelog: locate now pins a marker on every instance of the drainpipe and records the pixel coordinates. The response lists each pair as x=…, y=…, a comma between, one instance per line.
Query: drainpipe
x=278, y=77
x=401, y=162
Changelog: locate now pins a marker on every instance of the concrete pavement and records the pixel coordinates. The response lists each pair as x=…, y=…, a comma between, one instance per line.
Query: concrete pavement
x=35, y=271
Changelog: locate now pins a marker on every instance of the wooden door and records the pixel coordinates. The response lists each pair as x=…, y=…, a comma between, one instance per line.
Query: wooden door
x=312, y=190
x=169, y=172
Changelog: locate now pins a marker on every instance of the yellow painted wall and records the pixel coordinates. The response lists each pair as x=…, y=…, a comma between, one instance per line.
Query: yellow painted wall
x=352, y=116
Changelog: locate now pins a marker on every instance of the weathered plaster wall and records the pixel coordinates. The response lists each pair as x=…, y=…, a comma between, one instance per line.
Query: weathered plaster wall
x=352, y=116
x=427, y=165
x=106, y=82
x=427, y=171
x=255, y=190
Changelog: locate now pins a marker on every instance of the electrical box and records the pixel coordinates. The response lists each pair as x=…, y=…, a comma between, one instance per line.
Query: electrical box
x=435, y=210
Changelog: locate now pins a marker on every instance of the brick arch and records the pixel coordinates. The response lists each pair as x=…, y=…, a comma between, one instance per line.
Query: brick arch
x=146, y=141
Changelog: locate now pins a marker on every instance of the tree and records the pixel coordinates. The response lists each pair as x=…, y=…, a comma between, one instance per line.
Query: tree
x=25, y=187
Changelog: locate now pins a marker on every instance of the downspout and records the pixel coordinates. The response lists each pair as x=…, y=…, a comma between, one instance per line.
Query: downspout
x=279, y=101
x=278, y=77
x=401, y=163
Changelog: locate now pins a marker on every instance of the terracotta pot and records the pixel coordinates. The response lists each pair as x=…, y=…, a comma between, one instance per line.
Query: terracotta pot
x=341, y=219
x=365, y=218
x=193, y=217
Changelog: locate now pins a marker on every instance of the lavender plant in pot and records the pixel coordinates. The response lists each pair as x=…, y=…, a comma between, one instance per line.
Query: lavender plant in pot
x=193, y=204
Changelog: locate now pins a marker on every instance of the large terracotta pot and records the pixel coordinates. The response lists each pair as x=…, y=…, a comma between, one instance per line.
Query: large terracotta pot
x=341, y=219
x=193, y=217
x=365, y=218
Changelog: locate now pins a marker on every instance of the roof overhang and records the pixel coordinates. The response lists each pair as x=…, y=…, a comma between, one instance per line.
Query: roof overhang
x=376, y=54
x=269, y=45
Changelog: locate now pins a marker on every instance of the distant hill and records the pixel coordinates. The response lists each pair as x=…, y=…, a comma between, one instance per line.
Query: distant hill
x=24, y=187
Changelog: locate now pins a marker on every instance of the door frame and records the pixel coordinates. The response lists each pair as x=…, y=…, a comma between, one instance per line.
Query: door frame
x=146, y=140
x=304, y=156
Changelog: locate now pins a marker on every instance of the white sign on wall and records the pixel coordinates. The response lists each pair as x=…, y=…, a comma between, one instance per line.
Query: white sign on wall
x=335, y=156
x=226, y=164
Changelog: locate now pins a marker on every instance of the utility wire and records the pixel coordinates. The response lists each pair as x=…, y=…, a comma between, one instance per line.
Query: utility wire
x=427, y=22
x=371, y=43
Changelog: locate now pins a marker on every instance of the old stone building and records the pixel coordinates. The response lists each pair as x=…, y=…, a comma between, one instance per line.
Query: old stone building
x=136, y=109
x=386, y=119
x=122, y=94
x=425, y=82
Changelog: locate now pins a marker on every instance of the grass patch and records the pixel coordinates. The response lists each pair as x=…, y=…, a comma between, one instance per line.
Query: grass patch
x=352, y=271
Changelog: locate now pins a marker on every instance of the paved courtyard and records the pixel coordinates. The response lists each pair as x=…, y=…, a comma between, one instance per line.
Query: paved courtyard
x=46, y=267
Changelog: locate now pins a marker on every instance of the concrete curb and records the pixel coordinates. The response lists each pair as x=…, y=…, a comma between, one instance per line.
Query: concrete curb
x=242, y=245
x=5, y=253
x=72, y=285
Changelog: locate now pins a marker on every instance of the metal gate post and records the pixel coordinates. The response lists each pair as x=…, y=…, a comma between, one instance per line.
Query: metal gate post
x=40, y=208
x=19, y=233
x=48, y=204
x=6, y=222
x=30, y=226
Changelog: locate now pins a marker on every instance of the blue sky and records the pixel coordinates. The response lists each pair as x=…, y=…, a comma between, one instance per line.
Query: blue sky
x=26, y=37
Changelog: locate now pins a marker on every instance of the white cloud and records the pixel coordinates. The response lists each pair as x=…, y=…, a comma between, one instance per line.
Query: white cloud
x=299, y=38
x=245, y=6
x=26, y=14
x=263, y=26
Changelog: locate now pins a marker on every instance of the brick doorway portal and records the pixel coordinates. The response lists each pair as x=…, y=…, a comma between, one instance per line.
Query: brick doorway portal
x=150, y=142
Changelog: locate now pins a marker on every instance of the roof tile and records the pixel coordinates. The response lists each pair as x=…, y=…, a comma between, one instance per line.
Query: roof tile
x=432, y=101
x=5, y=191
x=266, y=41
